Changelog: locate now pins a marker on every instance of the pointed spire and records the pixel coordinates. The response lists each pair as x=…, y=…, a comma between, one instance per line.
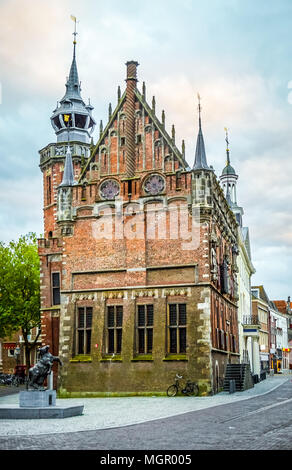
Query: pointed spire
x=227, y=146
x=68, y=175
x=119, y=93
x=109, y=111
x=91, y=145
x=183, y=148
x=144, y=91
x=163, y=118
x=200, y=156
x=73, y=84
x=228, y=180
x=173, y=133
x=228, y=170
x=81, y=121
x=100, y=128
x=153, y=104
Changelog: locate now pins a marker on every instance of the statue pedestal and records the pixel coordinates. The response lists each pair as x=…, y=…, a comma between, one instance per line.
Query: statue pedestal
x=40, y=404
x=37, y=398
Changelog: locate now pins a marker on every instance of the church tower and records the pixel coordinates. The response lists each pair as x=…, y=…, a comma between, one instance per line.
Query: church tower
x=61, y=163
x=228, y=180
x=73, y=124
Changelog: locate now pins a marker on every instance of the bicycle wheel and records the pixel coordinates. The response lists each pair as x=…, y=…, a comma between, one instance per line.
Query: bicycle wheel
x=15, y=381
x=172, y=391
x=191, y=389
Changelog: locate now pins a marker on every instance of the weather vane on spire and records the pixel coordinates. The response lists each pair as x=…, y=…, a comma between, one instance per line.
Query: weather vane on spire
x=227, y=145
x=199, y=105
x=73, y=18
x=199, y=108
x=226, y=139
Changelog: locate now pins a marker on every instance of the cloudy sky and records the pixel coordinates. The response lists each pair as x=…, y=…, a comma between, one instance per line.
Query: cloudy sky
x=236, y=54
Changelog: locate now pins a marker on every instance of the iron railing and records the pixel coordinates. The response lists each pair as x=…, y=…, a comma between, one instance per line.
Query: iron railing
x=245, y=357
x=250, y=320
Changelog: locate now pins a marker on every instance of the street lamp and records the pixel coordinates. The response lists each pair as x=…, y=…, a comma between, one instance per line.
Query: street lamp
x=17, y=354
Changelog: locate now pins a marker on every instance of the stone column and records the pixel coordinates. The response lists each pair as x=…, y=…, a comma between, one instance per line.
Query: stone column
x=256, y=357
x=249, y=348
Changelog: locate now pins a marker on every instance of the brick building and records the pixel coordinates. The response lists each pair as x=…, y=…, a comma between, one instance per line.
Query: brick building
x=285, y=307
x=138, y=260
x=13, y=351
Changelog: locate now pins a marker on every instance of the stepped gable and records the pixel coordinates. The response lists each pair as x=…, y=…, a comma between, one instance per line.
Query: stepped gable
x=150, y=119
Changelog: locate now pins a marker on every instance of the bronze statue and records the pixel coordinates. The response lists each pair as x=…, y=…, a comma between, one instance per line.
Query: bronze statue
x=39, y=372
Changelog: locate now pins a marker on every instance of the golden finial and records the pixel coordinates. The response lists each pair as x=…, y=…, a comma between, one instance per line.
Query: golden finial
x=73, y=18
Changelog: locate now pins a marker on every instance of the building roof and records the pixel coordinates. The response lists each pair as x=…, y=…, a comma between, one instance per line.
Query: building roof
x=274, y=304
x=150, y=111
x=283, y=305
x=81, y=123
x=228, y=170
x=262, y=295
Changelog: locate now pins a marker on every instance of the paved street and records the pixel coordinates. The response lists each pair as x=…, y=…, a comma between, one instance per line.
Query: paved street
x=259, y=422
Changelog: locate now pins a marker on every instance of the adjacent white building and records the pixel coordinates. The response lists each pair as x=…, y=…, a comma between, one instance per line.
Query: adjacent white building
x=248, y=339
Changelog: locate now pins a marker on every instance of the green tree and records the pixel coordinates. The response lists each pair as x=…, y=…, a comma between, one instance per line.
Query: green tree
x=20, y=289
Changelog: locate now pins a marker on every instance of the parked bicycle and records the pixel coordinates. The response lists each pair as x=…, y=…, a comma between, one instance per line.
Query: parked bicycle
x=190, y=388
x=10, y=379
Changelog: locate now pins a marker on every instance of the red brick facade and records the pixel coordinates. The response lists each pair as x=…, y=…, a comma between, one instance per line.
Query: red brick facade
x=124, y=246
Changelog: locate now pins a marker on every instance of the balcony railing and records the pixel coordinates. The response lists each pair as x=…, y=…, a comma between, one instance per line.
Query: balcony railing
x=245, y=357
x=250, y=320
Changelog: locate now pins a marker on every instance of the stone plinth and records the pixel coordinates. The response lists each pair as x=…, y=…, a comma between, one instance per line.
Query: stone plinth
x=40, y=404
x=37, y=398
x=50, y=412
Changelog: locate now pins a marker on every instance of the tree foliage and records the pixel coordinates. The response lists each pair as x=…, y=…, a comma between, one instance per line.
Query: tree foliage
x=19, y=286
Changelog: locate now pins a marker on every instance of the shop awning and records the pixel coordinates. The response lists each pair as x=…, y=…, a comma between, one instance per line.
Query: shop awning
x=9, y=345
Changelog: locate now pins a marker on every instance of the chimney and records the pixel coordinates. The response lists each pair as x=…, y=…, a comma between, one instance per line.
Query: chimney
x=289, y=305
x=130, y=121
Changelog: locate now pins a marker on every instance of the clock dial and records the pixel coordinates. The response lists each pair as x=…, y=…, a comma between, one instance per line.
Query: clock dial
x=109, y=189
x=154, y=184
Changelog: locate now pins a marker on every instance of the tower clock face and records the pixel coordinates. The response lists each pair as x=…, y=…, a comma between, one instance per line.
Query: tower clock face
x=109, y=189
x=154, y=184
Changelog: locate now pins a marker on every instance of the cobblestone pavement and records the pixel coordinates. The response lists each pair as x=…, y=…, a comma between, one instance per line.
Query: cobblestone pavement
x=262, y=422
x=103, y=413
